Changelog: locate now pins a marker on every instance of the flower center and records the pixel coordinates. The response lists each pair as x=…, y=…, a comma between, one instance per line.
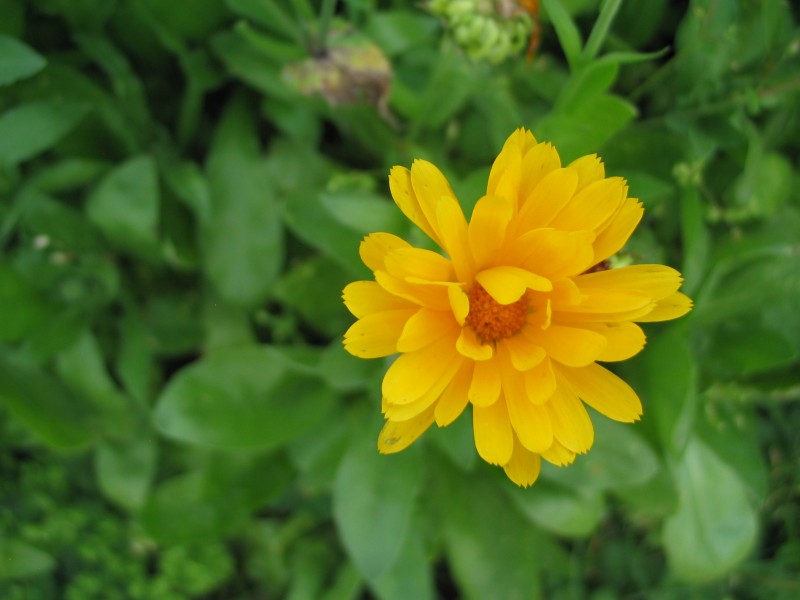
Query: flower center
x=492, y=321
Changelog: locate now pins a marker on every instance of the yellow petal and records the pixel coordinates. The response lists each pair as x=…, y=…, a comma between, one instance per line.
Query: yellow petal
x=604, y=392
x=399, y=435
x=452, y=227
x=553, y=192
x=418, y=263
x=459, y=303
x=376, y=246
x=523, y=354
x=673, y=306
x=486, y=383
x=507, y=284
x=589, y=169
x=517, y=144
x=530, y=421
x=470, y=346
x=376, y=335
x=553, y=254
x=406, y=199
x=432, y=296
x=403, y=412
x=540, y=382
x=625, y=339
x=593, y=206
x=363, y=298
x=537, y=162
x=657, y=281
x=572, y=346
x=424, y=328
x=487, y=228
x=414, y=373
x=430, y=186
x=494, y=438
x=454, y=398
x=524, y=466
x=571, y=423
x=617, y=231
x=558, y=455
x=603, y=305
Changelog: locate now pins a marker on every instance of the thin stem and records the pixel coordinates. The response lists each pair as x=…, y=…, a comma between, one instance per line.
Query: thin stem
x=325, y=17
x=598, y=35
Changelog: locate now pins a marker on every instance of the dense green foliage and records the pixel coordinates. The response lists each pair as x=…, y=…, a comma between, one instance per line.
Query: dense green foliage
x=183, y=188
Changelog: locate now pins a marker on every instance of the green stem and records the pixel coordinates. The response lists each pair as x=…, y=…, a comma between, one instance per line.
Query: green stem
x=598, y=35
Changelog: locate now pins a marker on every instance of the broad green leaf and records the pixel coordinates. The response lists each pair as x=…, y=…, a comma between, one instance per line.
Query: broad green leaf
x=665, y=377
x=618, y=458
x=410, y=576
x=313, y=289
x=125, y=206
x=20, y=560
x=82, y=368
x=364, y=211
x=585, y=128
x=31, y=128
x=449, y=87
x=43, y=404
x=307, y=218
x=561, y=510
x=242, y=239
x=205, y=504
x=251, y=66
x=239, y=398
x=345, y=372
x=492, y=550
x=17, y=60
x=24, y=308
x=126, y=468
x=69, y=174
x=13, y=22
x=398, y=31
x=374, y=496
x=715, y=527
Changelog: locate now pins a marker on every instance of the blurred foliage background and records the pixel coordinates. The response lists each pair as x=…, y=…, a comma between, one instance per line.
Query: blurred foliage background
x=183, y=187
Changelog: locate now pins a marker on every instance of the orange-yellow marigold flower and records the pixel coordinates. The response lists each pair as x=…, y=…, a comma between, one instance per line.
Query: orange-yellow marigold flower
x=515, y=315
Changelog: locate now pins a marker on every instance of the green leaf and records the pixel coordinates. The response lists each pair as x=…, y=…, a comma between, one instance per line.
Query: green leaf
x=43, y=404
x=364, y=211
x=568, y=34
x=715, y=527
x=126, y=468
x=81, y=366
x=586, y=127
x=242, y=239
x=665, y=377
x=239, y=398
x=374, y=496
x=608, y=10
x=492, y=550
x=268, y=14
x=23, y=310
x=696, y=240
x=19, y=560
x=560, y=510
x=31, y=128
x=313, y=288
x=398, y=31
x=205, y=504
x=125, y=206
x=618, y=458
x=410, y=576
x=17, y=60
